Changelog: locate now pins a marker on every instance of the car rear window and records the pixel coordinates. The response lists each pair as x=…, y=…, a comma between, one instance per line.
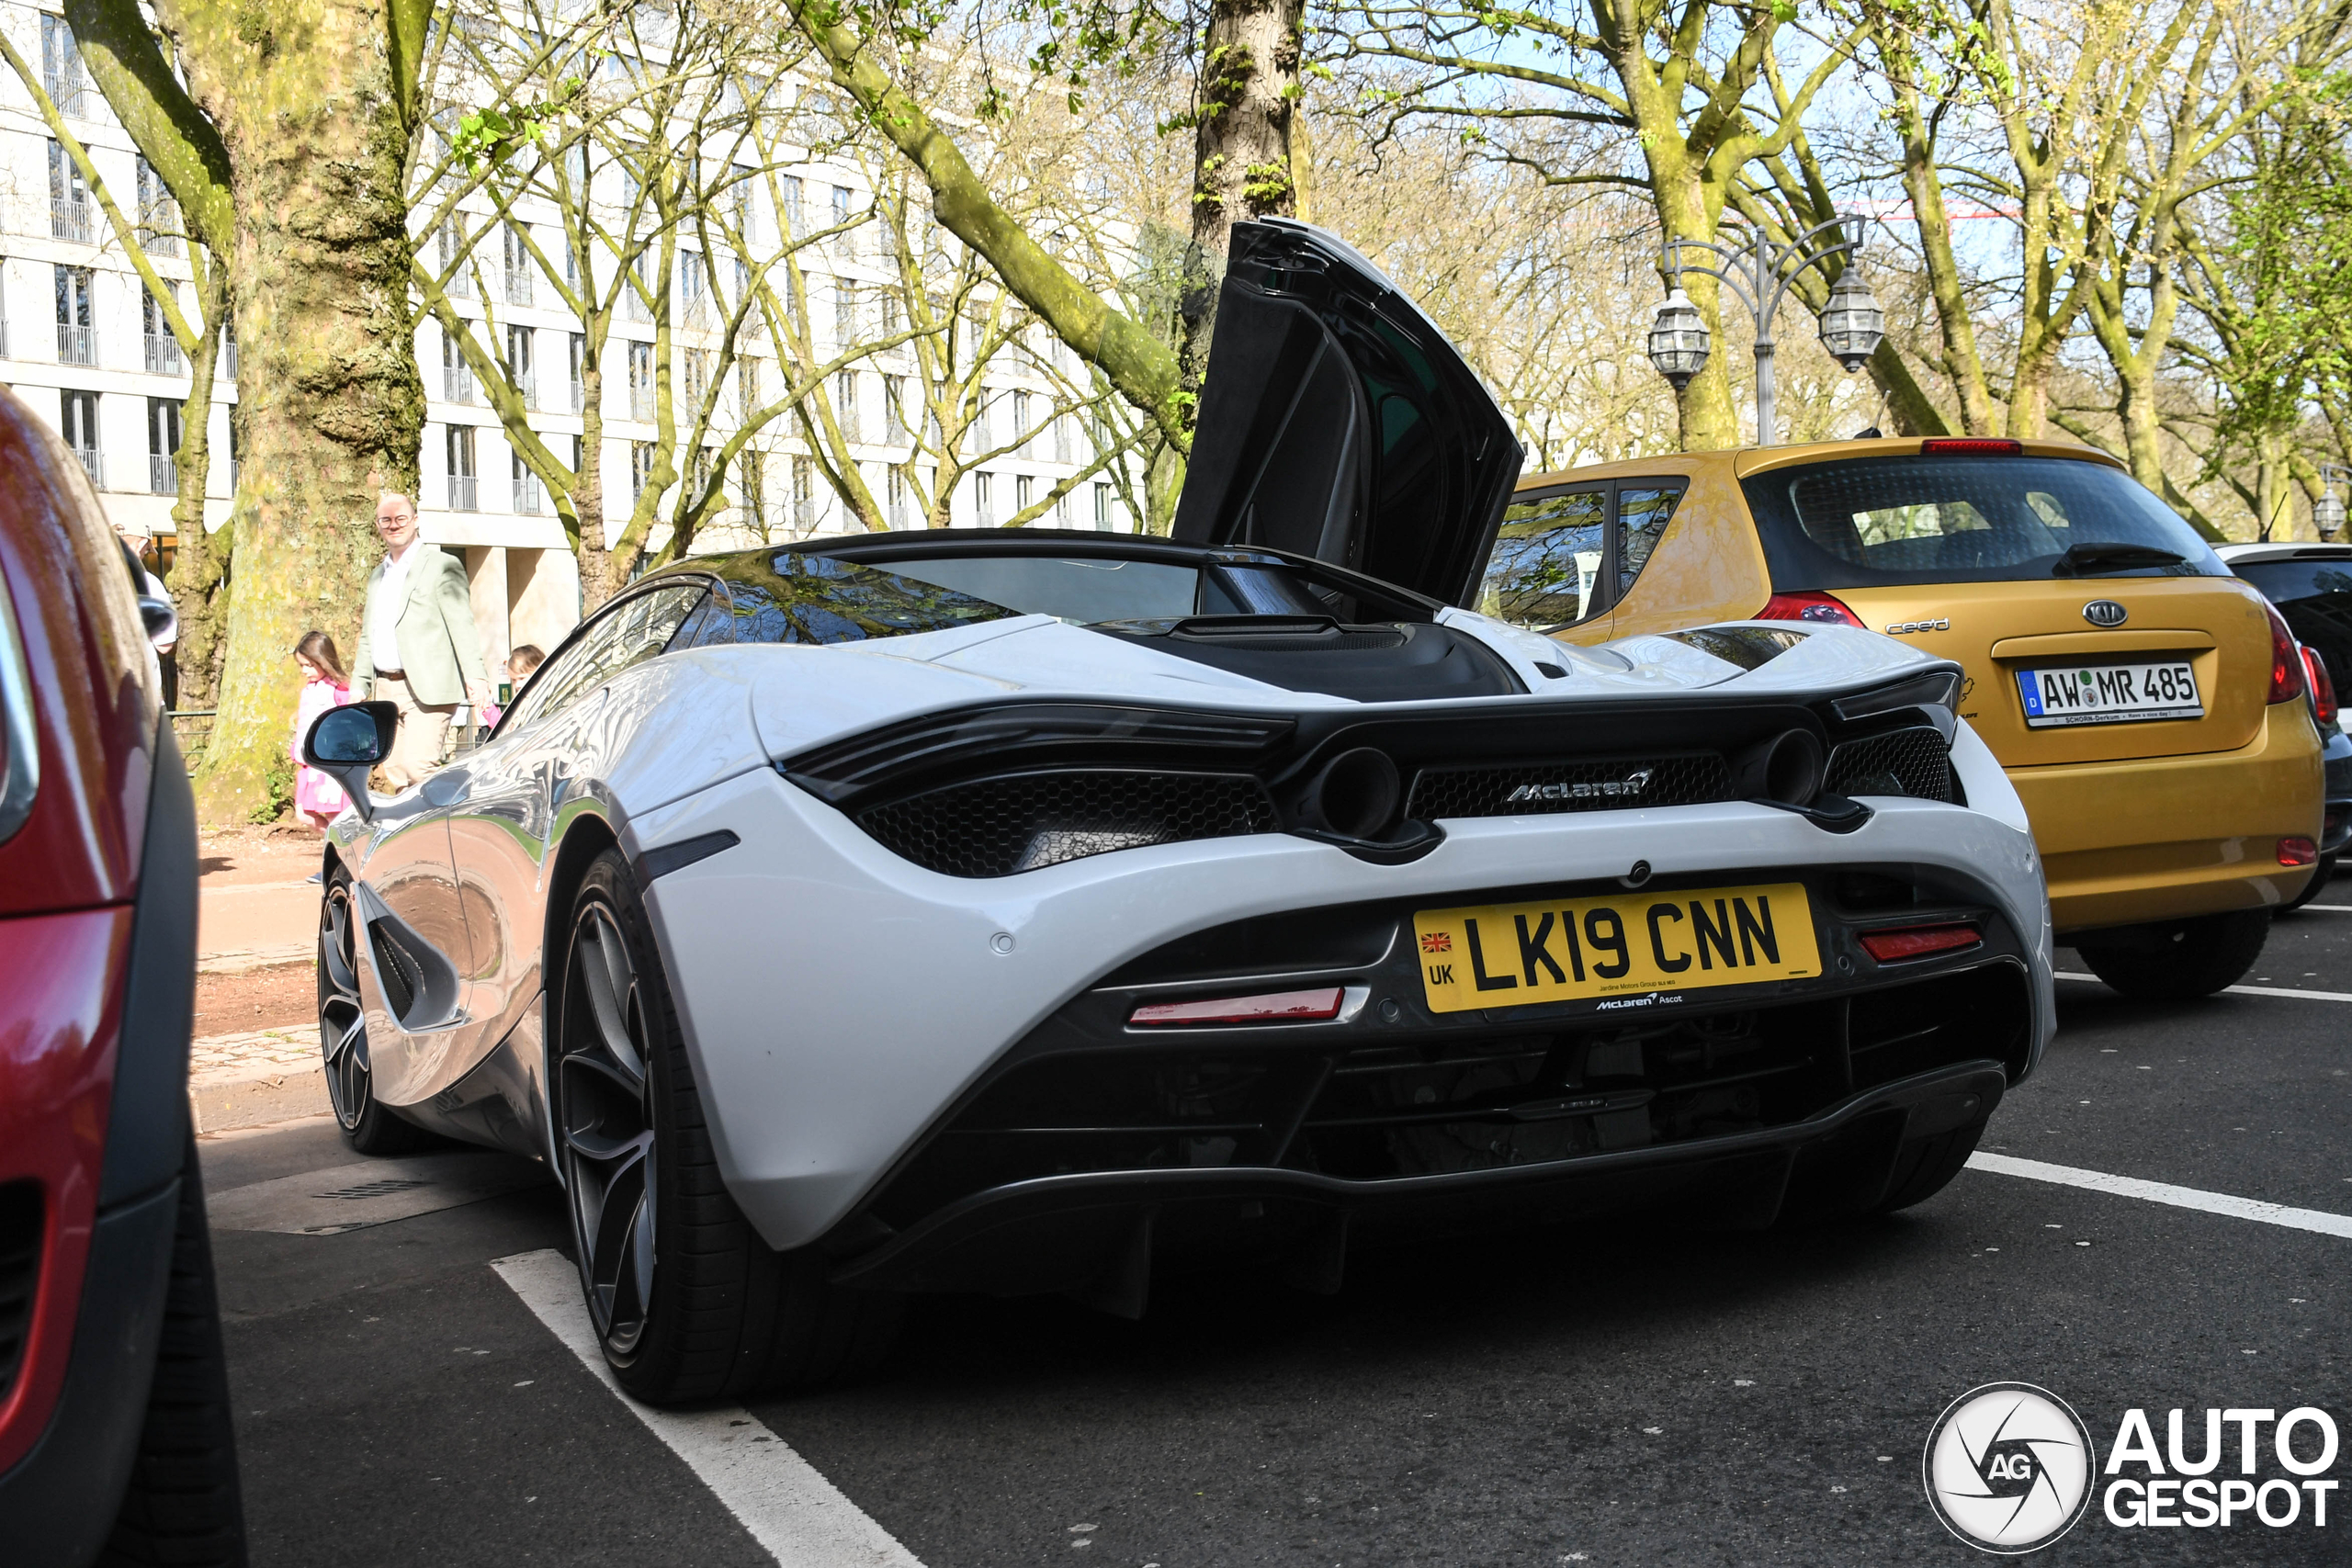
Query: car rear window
x=1868, y=521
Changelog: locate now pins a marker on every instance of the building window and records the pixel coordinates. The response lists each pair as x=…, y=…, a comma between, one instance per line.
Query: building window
x=462, y=495
x=696, y=362
x=747, y=387
x=795, y=221
x=515, y=242
x=1061, y=422
x=456, y=376
x=984, y=421
x=69, y=197
x=158, y=213
x=529, y=498
x=893, y=321
x=639, y=294
x=741, y=192
x=751, y=471
x=1020, y=434
x=641, y=469
x=228, y=348
x=1024, y=489
x=844, y=312
x=522, y=365
x=577, y=357
x=693, y=289
x=77, y=341
x=162, y=350
x=804, y=494
x=845, y=405
x=1102, y=508
x=841, y=198
x=984, y=501
x=62, y=76
x=640, y=380
x=894, y=408
x=457, y=263
x=164, y=445
x=1061, y=509
x=895, y=485
x=78, y=423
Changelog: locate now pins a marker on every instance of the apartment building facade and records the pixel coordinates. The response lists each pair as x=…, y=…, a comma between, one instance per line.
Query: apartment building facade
x=83, y=343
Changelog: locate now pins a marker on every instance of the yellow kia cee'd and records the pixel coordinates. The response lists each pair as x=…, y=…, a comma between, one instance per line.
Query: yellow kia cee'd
x=2147, y=704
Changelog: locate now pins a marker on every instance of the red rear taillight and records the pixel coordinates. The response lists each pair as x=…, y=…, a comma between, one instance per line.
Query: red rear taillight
x=1971, y=447
x=2322, y=689
x=2286, y=661
x=1808, y=606
x=2298, y=852
x=1275, y=1007
x=1917, y=942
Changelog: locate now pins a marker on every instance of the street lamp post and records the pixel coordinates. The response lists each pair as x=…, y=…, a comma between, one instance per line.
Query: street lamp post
x=1760, y=270
x=2327, y=510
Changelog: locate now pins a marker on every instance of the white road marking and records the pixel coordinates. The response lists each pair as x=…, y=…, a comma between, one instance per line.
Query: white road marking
x=2239, y=990
x=2331, y=908
x=801, y=1517
x=2316, y=1220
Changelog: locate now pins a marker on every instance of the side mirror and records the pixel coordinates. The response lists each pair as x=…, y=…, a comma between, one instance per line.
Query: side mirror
x=345, y=742
x=162, y=621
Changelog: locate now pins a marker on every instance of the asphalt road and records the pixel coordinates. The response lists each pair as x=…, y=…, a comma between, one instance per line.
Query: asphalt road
x=1613, y=1397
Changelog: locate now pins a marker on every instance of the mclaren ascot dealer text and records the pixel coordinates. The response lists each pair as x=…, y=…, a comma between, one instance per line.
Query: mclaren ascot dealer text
x=2175, y=1488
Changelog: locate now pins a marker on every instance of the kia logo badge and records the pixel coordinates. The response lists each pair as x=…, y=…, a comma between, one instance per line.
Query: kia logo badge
x=2105, y=613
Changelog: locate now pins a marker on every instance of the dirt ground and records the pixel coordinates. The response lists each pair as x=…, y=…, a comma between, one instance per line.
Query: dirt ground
x=258, y=998
x=231, y=857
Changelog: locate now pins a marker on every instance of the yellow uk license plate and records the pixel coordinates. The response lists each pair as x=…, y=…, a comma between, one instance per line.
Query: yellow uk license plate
x=1511, y=955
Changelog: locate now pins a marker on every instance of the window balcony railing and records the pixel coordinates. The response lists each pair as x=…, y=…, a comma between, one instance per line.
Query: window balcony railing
x=229, y=360
x=163, y=474
x=77, y=345
x=518, y=286
x=461, y=493
x=163, y=355
x=529, y=498
x=579, y=396
x=69, y=218
x=640, y=403
x=93, y=463
x=457, y=383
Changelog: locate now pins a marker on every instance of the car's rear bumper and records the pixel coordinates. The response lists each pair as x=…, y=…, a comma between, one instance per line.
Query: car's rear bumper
x=838, y=1001
x=2165, y=837
x=1101, y=1234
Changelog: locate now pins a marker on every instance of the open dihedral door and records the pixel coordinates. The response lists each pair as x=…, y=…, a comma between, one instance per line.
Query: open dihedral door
x=1335, y=421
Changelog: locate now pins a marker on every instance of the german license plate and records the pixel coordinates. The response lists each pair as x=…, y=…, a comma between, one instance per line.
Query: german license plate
x=2108, y=693
x=1512, y=954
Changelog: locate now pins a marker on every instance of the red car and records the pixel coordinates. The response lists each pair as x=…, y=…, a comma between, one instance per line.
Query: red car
x=114, y=1415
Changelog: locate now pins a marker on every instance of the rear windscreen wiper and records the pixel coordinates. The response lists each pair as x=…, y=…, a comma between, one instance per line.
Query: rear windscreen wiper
x=2112, y=556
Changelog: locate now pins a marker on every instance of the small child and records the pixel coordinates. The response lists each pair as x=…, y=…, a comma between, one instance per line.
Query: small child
x=317, y=797
x=519, y=665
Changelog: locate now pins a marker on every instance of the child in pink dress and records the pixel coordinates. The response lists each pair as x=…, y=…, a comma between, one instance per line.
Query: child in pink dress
x=317, y=797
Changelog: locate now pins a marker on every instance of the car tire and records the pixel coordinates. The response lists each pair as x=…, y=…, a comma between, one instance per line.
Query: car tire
x=688, y=1301
x=183, y=1504
x=2321, y=875
x=2204, y=955
x=1925, y=1167
x=369, y=1126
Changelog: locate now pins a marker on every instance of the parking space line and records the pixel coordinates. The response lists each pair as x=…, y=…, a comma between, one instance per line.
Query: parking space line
x=2239, y=990
x=801, y=1517
x=2316, y=1220
x=2331, y=908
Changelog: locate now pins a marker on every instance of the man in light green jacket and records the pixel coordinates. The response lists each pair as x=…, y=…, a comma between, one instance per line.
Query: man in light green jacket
x=418, y=648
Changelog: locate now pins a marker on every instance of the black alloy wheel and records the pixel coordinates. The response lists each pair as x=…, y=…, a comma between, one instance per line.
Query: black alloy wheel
x=605, y=1088
x=688, y=1301
x=367, y=1127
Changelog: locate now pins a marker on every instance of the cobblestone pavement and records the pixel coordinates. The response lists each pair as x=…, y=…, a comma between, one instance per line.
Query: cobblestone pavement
x=255, y=1076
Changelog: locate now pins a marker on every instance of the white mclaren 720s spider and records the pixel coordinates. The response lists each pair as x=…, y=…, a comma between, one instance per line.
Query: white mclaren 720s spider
x=1015, y=911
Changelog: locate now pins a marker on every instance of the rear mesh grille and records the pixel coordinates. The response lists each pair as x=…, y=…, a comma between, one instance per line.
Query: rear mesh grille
x=1424, y=1107
x=1599, y=785
x=19, y=1274
x=1912, y=761
x=997, y=826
